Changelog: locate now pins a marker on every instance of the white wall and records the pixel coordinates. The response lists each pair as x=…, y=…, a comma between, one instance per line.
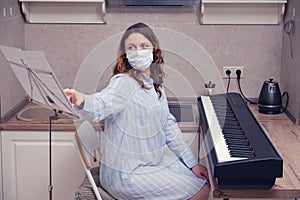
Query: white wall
x=290, y=70
x=256, y=47
x=11, y=34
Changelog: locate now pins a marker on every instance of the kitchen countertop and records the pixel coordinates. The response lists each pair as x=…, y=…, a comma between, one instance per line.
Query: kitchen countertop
x=13, y=123
x=68, y=125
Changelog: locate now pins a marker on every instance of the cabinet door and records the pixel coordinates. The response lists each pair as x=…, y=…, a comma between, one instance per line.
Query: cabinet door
x=1, y=182
x=26, y=165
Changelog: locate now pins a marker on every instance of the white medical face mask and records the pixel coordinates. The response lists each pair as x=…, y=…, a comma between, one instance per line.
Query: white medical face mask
x=140, y=59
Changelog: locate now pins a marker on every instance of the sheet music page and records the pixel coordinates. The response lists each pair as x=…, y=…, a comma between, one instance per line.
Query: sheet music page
x=47, y=79
x=37, y=78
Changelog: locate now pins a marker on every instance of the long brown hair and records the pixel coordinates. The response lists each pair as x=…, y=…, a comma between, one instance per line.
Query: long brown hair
x=156, y=71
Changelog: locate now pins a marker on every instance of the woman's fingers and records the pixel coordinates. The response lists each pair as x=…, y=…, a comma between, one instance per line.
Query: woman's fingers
x=69, y=93
x=76, y=98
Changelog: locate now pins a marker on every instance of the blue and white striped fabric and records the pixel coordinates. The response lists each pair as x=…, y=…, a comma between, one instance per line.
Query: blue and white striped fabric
x=138, y=129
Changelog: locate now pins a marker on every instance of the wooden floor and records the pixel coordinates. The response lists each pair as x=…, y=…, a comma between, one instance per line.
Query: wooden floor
x=285, y=136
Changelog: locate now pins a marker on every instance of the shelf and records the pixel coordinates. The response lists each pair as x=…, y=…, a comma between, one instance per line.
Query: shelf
x=64, y=11
x=242, y=11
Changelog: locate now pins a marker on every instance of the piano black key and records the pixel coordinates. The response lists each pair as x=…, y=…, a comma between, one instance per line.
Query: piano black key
x=234, y=136
x=242, y=149
x=239, y=148
x=240, y=154
x=231, y=122
x=237, y=145
x=237, y=142
x=230, y=127
x=232, y=131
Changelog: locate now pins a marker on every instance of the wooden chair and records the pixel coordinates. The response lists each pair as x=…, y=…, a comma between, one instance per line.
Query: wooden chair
x=88, y=146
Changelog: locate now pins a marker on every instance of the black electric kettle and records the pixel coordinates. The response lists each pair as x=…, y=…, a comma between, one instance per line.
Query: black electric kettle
x=270, y=98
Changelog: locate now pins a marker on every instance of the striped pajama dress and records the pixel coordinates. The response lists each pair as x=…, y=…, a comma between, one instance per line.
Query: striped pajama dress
x=138, y=130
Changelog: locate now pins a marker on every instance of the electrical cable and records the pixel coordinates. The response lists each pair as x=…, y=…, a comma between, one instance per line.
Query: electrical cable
x=228, y=72
x=289, y=28
x=238, y=78
x=287, y=101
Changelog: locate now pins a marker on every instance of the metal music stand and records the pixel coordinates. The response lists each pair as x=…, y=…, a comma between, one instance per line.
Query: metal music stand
x=38, y=80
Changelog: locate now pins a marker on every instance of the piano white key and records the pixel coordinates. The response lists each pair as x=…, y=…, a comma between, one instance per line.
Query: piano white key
x=219, y=142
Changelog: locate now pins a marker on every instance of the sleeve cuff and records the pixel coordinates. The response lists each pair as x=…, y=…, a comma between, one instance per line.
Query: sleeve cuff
x=80, y=107
x=189, y=159
x=89, y=109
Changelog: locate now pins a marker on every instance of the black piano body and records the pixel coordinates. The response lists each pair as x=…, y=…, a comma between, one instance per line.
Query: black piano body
x=257, y=172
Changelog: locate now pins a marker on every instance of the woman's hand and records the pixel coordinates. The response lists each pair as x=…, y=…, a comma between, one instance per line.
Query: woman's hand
x=76, y=98
x=201, y=172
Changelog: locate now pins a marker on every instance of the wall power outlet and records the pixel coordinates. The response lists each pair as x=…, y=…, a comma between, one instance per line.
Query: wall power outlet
x=233, y=70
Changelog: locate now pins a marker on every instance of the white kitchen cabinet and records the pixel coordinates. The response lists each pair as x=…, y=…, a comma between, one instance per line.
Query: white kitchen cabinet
x=1, y=183
x=242, y=11
x=64, y=11
x=25, y=159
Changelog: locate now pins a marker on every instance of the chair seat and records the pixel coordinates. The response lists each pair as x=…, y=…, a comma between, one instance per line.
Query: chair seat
x=85, y=190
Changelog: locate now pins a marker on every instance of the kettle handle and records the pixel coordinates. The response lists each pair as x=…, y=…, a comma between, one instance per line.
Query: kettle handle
x=287, y=101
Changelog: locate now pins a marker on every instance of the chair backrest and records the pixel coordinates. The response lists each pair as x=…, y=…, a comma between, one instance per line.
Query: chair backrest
x=88, y=143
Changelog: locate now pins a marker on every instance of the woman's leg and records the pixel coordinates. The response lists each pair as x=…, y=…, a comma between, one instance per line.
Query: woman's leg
x=202, y=194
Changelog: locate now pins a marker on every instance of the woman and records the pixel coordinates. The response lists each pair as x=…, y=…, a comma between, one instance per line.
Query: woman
x=139, y=127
